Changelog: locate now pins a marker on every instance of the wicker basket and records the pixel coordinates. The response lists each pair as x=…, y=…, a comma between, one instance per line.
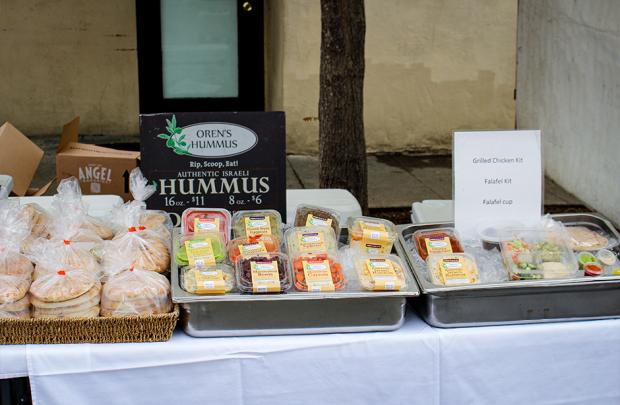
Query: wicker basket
x=153, y=328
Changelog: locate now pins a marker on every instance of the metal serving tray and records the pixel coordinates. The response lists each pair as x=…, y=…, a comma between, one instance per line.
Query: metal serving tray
x=293, y=312
x=516, y=302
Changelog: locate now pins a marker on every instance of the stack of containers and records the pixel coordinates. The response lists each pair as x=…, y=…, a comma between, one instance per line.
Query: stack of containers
x=371, y=240
x=260, y=267
x=446, y=261
x=201, y=252
x=315, y=259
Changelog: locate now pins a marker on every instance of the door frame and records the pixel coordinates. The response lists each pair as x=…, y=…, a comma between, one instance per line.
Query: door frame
x=250, y=48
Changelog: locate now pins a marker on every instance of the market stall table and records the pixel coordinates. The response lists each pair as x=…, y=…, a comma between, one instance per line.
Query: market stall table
x=575, y=362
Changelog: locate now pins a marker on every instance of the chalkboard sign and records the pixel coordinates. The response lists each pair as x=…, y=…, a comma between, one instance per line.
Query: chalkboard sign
x=232, y=160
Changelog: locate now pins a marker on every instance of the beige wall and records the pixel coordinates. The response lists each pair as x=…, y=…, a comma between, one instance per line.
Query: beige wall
x=65, y=58
x=432, y=66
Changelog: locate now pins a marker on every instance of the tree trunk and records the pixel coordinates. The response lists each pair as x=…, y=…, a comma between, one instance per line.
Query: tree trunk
x=342, y=147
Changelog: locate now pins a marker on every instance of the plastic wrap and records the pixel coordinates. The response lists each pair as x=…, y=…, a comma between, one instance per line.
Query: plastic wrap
x=63, y=284
x=134, y=213
x=15, y=227
x=143, y=236
x=136, y=292
x=68, y=207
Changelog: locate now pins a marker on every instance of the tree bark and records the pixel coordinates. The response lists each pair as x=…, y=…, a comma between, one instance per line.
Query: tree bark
x=342, y=147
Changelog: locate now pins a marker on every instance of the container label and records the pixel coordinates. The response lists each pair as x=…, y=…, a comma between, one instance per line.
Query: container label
x=251, y=249
x=200, y=252
x=210, y=282
x=205, y=225
x=257, y=225
x=265, y=276
x=318, y=275
x=438, y=245
x=313, y=220
x=454, y=271
x=375, y=237
x=383, y=275
x=311, y=241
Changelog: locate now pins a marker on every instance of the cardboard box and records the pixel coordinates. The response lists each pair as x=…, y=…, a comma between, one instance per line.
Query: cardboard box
x=99, y=170
x=19, y=157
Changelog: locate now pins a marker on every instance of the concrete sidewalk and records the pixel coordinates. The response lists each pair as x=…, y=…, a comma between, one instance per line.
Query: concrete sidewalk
x=396, y=181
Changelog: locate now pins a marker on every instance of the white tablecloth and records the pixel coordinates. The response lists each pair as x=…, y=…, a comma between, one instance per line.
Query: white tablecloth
x=575, y=362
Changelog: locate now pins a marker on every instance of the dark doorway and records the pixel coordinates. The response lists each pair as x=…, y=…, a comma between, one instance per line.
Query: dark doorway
x=200, y=55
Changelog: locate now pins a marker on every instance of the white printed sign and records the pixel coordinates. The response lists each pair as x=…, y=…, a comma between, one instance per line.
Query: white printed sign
x=497, y=179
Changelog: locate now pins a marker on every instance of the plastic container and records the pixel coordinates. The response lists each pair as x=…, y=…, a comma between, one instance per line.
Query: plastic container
x=381, y=273
x=217, y=248
x=210, y=280
x=312, y=215
x=256, y=223
x=607, y=257
x=268, y=273
x=371, y=235
x=218, y=219
x=589, y=237
x=531, y=254
x=251, y=246
x=318, y=272
x=310, y=239
x=490, y=234
x=451, y=269
x=433, y=241
x=592, y=269
x=585, y=257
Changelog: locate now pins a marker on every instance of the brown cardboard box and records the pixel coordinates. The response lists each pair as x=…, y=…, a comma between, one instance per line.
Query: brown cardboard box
x=99, y=170
x=19, y=157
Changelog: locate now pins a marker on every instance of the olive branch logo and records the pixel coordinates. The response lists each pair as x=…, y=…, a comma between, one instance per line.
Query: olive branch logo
x=174, y=138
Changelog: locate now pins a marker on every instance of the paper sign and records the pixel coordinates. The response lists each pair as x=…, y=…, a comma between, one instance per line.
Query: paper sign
x=497, y=179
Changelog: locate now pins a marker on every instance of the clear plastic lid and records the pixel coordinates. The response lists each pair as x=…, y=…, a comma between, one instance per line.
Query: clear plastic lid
x=251, y=246
x=433, y=241
x=207, y=249
x=310, y=239
x=318, y=272
x=532, y=254
x=209, y=280
x=589, y=237
x=381, y=272
x=371, y=235
x=266, y=273
x=213, y=219
x=451, y=269
x=256, y=223
x=312, y=215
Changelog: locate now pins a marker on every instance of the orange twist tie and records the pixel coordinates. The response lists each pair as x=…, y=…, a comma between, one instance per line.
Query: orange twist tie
x=66, y=242
x=131, y=229
x=61, y=273
x=141, y=228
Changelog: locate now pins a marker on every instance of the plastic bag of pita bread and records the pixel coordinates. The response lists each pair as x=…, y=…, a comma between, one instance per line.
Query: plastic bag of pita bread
x=136, y=292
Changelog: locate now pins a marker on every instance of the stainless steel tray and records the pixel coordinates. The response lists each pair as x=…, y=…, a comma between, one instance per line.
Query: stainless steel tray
x=515, y=301
x=293, y=312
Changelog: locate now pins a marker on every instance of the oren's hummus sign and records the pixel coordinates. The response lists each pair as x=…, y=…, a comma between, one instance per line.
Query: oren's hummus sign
x=232, y=160
x=218, y=139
